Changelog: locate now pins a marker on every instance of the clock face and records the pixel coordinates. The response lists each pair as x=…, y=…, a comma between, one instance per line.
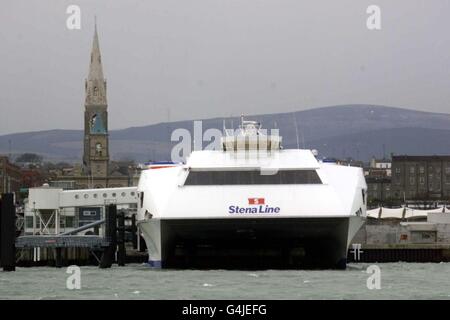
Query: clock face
x=97, y=125
x=98, y=149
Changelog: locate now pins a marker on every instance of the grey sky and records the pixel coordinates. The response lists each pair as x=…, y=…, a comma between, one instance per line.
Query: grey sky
x=208, y=58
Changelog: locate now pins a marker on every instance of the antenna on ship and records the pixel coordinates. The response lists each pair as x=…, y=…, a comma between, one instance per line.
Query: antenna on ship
x=225, y=133
x=296, y=130
x=303, y=140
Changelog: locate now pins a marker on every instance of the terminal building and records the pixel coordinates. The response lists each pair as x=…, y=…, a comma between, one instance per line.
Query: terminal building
x=421, y=177
x=410, y=178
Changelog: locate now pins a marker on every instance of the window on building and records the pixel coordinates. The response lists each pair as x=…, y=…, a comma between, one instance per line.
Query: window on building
x=411, y=170
x=447, y=170
x=422, y=180
x=397, y=170
x=70, y=222
x=29, y=222
x=421, y=169
x=412, y=181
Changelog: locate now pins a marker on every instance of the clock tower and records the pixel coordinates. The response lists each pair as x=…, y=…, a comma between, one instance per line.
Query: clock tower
x=96, y=145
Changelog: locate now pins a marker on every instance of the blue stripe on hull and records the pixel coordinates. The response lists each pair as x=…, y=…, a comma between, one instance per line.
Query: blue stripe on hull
x=155, y=264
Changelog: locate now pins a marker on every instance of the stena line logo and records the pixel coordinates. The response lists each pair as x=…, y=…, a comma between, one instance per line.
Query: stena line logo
x=255, y=205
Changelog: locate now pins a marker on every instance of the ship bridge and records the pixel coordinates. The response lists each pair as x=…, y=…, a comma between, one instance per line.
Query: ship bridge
x=249, y=137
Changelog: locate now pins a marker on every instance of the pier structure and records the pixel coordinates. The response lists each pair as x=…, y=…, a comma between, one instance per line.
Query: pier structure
x=403, y=234
x=51, y=211
x=89, y=211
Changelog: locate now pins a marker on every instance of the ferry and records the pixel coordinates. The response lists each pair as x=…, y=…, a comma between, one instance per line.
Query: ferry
x=250, y=204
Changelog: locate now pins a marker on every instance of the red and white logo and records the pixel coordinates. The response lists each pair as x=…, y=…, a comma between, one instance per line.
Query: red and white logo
x=256, y=201
x=256, y=205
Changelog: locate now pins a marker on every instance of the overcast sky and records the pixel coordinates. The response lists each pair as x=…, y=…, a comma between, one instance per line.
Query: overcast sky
x=186, y=59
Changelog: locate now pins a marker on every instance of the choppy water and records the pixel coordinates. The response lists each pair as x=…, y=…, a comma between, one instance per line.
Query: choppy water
x=398, y=281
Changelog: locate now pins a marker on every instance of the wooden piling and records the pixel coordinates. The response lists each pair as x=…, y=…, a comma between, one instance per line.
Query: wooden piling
x=134, y=231
x=58, y=258
x=7, y=232
x=121, y=254
x=110, y=235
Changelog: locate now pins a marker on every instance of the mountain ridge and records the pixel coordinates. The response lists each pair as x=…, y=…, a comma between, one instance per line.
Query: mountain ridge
x=330, y=129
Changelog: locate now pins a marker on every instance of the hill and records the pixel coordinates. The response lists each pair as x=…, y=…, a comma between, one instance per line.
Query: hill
x=357, y=131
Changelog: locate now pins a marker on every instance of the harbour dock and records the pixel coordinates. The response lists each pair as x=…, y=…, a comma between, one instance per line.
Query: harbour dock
x=400, y=253
x=114, y=237
x=69, y=247
x=403, y=234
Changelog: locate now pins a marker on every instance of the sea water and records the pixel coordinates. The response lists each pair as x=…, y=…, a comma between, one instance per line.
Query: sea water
x=136, y=281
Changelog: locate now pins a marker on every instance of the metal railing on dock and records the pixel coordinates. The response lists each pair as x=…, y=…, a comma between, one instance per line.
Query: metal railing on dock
x=57, y=241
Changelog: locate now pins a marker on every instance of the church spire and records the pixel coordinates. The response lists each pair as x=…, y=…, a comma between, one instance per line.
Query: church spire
x=95, y=84
x=96, y=142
